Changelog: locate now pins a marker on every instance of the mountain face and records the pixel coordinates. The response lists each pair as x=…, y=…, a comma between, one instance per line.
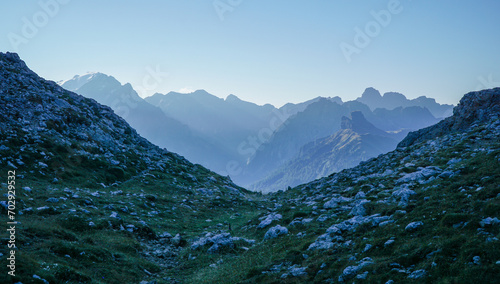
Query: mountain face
x=150, y=121
x=358, y=140
x=322, y=119
x=233, y=124
x=319, y=119
x=474, y=107
x=407, y=118
x=391, y=100
x=230, y=121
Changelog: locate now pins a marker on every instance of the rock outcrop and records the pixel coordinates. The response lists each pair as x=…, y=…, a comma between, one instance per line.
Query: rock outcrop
x=474, y=108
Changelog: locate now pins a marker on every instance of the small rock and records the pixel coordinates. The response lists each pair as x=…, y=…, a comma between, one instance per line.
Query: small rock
x=477, y=260
x=413, y=226
x=176, y=241
x=40, y=278
x=348, y=273
x=489, y=222
x=114, y=215
x=269, y=219
x=297, y=271
x=52, y=200
x=388, y=243
x=362, y=275
x=417, y=274
x=367, y=247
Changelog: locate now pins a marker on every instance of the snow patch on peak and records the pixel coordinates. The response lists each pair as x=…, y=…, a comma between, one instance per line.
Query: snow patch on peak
x=78, y=81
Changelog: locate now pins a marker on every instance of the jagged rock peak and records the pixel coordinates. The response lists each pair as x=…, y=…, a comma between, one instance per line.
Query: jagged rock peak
x=371, y=93
x=346, y=123
x=474, y=107
x=357, y=121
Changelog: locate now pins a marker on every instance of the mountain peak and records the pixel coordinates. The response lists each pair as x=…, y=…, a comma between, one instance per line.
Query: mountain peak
x=357, y=121
x=232, y=98
x=79, y=81
x=346, y=123
x=371, y=94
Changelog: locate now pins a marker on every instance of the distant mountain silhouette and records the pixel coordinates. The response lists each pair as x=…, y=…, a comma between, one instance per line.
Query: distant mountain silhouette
x=322, y=119
x=391, y=100
x=149, y=121
x=358, y=140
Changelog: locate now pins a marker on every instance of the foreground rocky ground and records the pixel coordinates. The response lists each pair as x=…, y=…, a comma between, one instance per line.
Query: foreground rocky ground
x=98, y=204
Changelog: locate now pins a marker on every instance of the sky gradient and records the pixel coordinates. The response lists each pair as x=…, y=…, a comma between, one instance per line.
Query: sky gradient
x=263, y=51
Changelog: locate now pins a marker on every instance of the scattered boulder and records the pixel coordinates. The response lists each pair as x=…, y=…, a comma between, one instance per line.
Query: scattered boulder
x=418, y=274
x=359, y=209
x=420, y=176
x=352, y=271
x=476, y=260
x=488, y=222
x=269, y=219
x=334, y=202
x=403, y=195
x=275, y=232
x=52, y=200
x=177, y=240
x=219, y=242
x=389, y=242
x=413, y=226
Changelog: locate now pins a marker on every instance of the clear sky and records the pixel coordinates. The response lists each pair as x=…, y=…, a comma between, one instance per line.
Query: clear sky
x=264, y=51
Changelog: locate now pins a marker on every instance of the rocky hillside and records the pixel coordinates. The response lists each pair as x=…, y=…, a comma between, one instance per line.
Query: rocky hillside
x=427, y=212
x=93, y=195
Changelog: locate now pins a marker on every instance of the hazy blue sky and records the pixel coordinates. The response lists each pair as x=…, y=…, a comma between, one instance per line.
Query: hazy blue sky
x=264, y=51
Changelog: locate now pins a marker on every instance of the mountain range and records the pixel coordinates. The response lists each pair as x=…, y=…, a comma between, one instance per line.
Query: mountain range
x=246, y=141
x=321, y=120
x=391, y=100
x=358, y=140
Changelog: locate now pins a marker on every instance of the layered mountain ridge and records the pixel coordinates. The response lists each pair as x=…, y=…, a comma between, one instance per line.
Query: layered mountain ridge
x=356, y=141
x=238, y=138
x=391, y=100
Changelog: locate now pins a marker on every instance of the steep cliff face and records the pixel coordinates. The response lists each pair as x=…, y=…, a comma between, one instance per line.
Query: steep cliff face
x=474, y=108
